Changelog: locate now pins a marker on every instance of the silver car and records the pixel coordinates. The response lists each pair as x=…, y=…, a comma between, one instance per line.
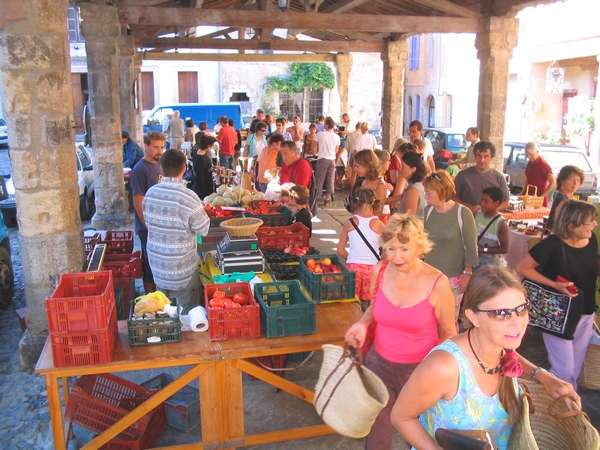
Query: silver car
x=557, y=157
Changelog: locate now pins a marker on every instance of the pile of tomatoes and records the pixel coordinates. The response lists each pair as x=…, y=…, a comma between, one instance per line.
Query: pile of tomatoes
x=217, y=211
x=264, y=207
x=322, y=266
x=220, y=300
x=297, y=251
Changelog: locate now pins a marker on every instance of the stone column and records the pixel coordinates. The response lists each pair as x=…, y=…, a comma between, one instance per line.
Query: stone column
x=101, y=29
x=394, y=58
x=126, y=84
x=343, y=62
x=494, y=49
x=35, y=77
x=595, y=138
x=137, y=79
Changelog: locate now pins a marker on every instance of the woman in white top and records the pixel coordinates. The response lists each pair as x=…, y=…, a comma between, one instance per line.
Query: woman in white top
x=359, y=257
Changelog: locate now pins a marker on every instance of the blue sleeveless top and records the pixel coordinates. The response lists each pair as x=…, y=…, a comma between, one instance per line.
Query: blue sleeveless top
x=470, y=409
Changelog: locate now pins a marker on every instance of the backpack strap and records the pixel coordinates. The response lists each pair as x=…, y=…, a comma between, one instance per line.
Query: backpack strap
x=364, y=239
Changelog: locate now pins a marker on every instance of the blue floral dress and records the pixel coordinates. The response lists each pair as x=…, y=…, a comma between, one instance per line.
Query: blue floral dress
x=470, y=409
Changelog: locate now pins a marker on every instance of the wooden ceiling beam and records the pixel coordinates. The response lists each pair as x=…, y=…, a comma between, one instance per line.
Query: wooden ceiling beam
x=236, y=57
x=343, y=6
x=298, y=20
x=255, y=44
x=447, y=7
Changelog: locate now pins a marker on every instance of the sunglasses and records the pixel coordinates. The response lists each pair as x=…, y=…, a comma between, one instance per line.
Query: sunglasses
x=506, y=313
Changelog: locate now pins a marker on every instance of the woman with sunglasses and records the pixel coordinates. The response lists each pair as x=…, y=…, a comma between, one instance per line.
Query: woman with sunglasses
x=469, y=382
x=571, y=252
x=411, y=310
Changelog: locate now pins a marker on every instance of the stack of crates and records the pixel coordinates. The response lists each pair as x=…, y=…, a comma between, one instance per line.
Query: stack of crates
x=82, y=319
x=126, y=266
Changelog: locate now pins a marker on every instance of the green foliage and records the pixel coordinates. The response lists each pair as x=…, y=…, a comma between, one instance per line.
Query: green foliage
x=302, y=75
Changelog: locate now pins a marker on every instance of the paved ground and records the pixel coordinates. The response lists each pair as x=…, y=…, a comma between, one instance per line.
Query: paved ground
x=23, y=398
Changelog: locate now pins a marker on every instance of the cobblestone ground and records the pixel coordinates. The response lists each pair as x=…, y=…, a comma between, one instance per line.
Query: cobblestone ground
x=23, y=398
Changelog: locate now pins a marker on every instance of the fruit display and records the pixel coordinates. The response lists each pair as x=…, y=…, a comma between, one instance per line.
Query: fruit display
x=218, y=211
x=280, y=256
x=151, y=303
x=220, y=300
x=264, y=207
x=296, y=251
x=233, y=196
x=324, y=265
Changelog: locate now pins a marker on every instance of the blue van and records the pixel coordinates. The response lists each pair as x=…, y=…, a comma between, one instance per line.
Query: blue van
x=198, y=112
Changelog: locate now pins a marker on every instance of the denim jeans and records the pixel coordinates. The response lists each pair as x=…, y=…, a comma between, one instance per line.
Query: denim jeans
x=226, y=161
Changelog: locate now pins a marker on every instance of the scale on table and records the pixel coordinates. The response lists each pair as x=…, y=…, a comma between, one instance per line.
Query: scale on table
x=240, y=254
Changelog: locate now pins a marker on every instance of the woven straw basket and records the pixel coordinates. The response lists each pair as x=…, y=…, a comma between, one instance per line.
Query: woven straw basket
x=554, y=427
x=241, y=227
x=531, y=201
x=590, y=374
x=348, y=396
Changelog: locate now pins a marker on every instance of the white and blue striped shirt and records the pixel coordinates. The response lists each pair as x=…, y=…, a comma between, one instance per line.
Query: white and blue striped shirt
x=174, y=215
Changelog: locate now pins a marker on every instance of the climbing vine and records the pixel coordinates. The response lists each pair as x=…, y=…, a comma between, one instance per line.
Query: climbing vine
x=302, y=75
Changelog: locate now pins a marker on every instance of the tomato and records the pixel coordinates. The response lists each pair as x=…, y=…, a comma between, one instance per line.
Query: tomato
x=241, y=298
x=311, y=263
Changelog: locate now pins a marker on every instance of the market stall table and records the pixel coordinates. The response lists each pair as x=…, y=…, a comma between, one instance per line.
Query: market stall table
x=218, y=366
x=519, y=245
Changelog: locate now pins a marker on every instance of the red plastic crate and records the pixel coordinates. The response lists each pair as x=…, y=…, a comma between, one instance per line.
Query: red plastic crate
x=232, y=323
x=89, y=242
x=278, y=238
x=81, y=303
x=84, y=349
x=98, y=401
x=119, y=241
x=124, y=265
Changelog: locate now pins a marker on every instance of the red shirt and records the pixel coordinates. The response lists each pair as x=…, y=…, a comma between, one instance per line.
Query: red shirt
x=299, y=172
x=394, y=166
x=227, y=141
x=536, y=173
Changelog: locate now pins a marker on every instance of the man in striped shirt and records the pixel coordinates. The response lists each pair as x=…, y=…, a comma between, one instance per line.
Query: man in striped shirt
x=174, y=215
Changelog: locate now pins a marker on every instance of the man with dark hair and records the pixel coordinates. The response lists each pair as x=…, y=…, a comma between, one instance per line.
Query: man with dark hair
x=132, y=152
x=328, y=145
x=174, y=215
x=227, y=142
x=415, y=131
x=471, y=182
x=260, y=117
x=472, y=137
x=320, y=123
x=238, y=146
x=267, y=161
x=295, y=169
x=281, y=129
x=144, y=175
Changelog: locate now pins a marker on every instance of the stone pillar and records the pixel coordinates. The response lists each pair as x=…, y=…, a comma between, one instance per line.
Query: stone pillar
x=100, y=26
x=35, y=77
x=595, y=138
x=395, y=56
x=126, y=84
x=494, y=49
x=343, y=62
x=137, y=80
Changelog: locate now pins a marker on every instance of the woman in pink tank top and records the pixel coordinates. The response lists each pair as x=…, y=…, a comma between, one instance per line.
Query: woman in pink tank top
x=412, y=311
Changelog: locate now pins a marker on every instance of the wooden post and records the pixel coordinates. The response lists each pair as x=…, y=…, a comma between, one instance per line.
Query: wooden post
x=344, y=65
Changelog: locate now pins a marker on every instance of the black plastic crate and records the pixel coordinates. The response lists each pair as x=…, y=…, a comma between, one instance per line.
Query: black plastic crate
x=282, y=218
x=284, y=271
x=324, y=287
x=285, y=309
x=149, y=331
x=182, y=408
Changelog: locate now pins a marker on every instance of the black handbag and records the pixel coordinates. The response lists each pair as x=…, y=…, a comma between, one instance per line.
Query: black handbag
x=551, y=311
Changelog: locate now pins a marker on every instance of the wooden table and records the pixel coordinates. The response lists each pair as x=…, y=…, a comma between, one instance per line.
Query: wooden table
x=218, y=366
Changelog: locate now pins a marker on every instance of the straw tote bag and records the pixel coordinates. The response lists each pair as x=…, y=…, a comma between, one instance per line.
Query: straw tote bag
x=552, y=426
x=348, y=395
x=590, y=374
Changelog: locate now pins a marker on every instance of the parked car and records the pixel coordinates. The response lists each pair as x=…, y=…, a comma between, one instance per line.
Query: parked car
x=557, y=156
x=446, y=139
x=156, y=119
x=3, y=133
x=85, y=180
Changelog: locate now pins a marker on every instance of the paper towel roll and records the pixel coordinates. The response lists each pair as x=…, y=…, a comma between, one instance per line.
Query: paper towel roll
x=196, y=319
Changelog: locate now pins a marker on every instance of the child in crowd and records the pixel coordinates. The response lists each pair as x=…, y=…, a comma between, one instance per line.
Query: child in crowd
x=420, y=146
x=492, y=231
x=285, y=197
x=202, y=181
x=385, y=159
x=363, y=247
x=299, y=205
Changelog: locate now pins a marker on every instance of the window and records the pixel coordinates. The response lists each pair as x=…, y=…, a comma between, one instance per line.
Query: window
x=409, y=108
x=418, y=107
x=290, y=104
x=188, y=87
x=431, y=112
x=73, y=25
x=415, y=44
x=315, y=104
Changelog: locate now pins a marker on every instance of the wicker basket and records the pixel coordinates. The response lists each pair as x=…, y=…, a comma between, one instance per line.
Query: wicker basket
x=532, y=201
x=556, y=428
x=590, y=374
x=241, y=227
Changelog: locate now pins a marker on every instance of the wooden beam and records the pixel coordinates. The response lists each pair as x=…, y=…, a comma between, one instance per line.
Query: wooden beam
x=298, y=20
x=222, y=32
x=448, y=7
x=343, y=6
x=255, y=44
x=248, y=57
